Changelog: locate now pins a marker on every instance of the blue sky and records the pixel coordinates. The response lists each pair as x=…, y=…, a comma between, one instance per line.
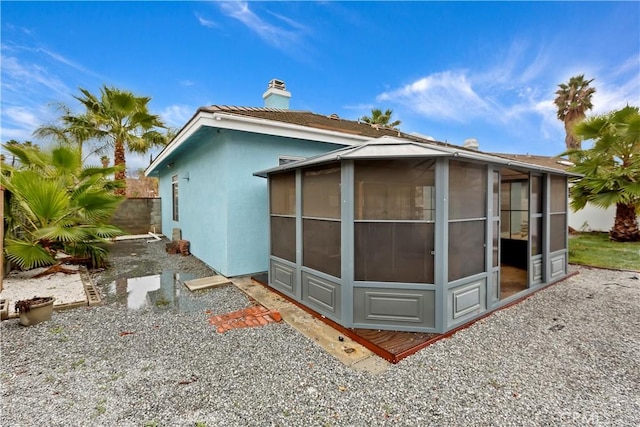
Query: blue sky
x=451, y=70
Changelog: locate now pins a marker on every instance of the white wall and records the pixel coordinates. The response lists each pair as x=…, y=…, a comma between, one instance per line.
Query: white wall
x=592, y=218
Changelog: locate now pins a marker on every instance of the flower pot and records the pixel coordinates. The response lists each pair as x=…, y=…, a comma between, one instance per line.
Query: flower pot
x=35, y=310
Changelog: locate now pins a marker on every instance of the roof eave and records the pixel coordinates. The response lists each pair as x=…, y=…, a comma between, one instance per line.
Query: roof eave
x=451, y=152
x=224, y=120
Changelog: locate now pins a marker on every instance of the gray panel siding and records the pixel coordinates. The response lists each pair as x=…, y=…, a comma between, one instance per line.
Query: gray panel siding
x=388, y=307
x=282, y=277
x=466, y=301
x=536, y=271
x=321, y=295
x=496, y=285
x=558, y=263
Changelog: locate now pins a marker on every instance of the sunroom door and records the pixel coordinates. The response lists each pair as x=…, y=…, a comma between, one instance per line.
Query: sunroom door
x=536, y=191
x=515, y=243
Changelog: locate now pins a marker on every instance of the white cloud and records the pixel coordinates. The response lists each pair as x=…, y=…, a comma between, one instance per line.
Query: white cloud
x=359, y=107
x=448, y=95
x=274, y=35
x=177, y=115
x=20, y=122
x=617, y=87
x=291, y=22
x=514, y=91
x=21, y=116
x=206, y=22
x=550, y=126
x=26, y=77
x=7, y=134
x=186, y=83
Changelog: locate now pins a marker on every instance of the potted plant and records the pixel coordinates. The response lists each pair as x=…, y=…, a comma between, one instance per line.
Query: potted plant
x=34, y=310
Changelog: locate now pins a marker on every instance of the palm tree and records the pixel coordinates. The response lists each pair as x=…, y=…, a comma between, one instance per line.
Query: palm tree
x=71, y=132
x=611, y=169
x=54, y=204
x=13, y=143
x=379, y=118
x=119, y=119
x=573, y=99
x=104, y=160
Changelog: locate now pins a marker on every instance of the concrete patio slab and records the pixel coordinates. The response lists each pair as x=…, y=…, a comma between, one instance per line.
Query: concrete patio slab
x=207, y=283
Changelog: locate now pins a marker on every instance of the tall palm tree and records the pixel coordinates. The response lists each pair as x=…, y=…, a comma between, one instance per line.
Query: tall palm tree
x=120, y=120
x=379, y=118
x=573, y=99
x=55, y=204
x=611, y=169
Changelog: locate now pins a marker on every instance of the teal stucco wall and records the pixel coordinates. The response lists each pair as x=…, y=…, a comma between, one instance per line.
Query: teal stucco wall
x=222, y=206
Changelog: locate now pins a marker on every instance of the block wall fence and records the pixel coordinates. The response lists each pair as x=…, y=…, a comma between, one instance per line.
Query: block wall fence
x=139, y=215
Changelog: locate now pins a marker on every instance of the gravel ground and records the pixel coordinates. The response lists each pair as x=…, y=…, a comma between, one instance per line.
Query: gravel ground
x=569, y=355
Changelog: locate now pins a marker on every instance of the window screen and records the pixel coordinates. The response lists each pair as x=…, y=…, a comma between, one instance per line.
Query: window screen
x=466, y=249
x=321, y=227
x=395, y=190
x=283, y=193
x=467, y=219
x=467, y=190
x=558, y=217
x=282, y=203
x=394, y=252
x=558, y=194
x=394, y=214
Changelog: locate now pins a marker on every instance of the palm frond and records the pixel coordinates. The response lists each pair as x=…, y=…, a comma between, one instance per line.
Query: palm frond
x=63, y=234
x=27, y=255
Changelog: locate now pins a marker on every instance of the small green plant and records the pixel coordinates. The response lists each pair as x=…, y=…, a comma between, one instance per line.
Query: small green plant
x=162, y=301
x=200, y=424
x=116, y=377
x=77, y=363
x=495, y=384
x=100, y=407
x=57, y=330
x=151, y=424
x=388, y=410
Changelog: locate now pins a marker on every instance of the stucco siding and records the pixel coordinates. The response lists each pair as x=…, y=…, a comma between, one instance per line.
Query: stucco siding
x=248, y=228
x=202, y=200
x=222, y=206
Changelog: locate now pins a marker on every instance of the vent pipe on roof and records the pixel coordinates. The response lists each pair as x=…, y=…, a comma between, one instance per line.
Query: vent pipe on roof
x=471, y=144
x=276, y=95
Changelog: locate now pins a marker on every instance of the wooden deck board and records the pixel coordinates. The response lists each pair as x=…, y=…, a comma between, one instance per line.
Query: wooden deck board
x=395, y=342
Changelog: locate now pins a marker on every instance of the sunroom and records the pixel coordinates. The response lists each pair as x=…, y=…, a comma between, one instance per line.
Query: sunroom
x=407, y=236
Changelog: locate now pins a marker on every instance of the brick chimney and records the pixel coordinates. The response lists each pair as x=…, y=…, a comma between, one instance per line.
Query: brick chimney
x=276, y=95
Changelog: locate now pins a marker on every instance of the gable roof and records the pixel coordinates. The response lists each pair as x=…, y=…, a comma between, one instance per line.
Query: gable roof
x=332, y=129
x=272, y=121
x=551, y=162
x=307, y=118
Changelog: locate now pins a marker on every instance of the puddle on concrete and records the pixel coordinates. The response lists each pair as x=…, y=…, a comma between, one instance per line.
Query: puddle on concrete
x=161, y=291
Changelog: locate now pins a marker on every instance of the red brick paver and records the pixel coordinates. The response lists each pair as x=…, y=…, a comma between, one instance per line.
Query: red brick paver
x=256, y=315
